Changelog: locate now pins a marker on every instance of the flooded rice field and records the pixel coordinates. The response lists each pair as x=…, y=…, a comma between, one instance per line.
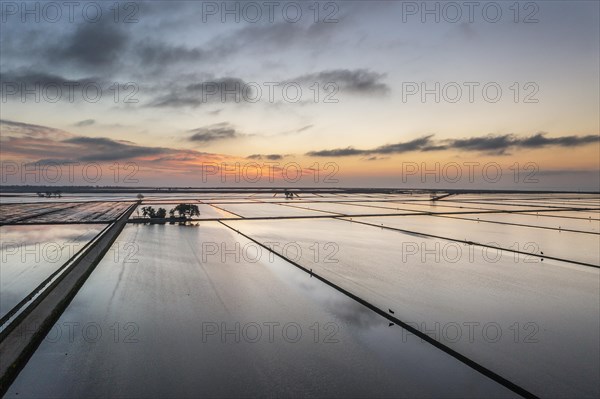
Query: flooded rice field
x=329, y=294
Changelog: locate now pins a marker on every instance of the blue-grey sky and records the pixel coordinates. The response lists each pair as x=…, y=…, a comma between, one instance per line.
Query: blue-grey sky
x=365, y=84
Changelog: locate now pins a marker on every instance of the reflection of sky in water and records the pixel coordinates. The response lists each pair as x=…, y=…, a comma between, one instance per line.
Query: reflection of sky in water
x=580, y=225
x=350, y=209
x=481, y=286
x=30, y=254
x=46, y=233
x=169, y=301
x=267, y=210
x=171, y=290
x=558, y=244
x=587, y=215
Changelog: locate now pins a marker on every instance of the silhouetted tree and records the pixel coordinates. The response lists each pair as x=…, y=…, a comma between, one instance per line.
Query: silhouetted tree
x=148, y=211
x=161, y=213
x=184, y=210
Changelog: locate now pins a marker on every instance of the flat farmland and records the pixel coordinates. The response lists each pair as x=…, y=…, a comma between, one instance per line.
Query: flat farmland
x=370, y=294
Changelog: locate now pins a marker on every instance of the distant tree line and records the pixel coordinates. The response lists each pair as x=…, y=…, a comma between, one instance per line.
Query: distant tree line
x=49, y=194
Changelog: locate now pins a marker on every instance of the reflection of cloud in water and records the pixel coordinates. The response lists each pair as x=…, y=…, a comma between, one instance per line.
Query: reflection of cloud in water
x=353, y=313
x=336, y=303
x=306, y=286
x=46, y=233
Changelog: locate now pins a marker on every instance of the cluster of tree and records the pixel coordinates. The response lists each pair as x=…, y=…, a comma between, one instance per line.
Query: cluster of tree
x=150, y=212
x=288, y=194
x=49, y=194
x=182, y=210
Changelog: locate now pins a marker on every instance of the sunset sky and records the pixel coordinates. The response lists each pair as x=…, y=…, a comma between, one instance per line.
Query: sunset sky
x=194, y=91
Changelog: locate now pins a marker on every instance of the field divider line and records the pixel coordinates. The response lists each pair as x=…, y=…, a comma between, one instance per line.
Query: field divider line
x=9, y=209
x=328, y=215
x=468, y=242
x=458, y=356
x=554, y=207
x=57, y=223
x=590, y=219
x=24, y=218
x=19, y=344
x=233, y=213
x=331, y=216
x=35, y=293
x=309, y=209
x=517, y=224
x=455, y=205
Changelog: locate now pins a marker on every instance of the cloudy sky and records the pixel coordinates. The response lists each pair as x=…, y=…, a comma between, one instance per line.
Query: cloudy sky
x=379, y=94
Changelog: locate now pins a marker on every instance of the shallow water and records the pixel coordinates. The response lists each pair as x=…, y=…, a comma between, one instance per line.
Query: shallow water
x=593, y=215
x=166, y=300
x=454, y=206
x=350, y=209
x=589, y=226
x=547, y=314
x=554, y=243
x=168, y=329
x=268, y=210
x=30, y=254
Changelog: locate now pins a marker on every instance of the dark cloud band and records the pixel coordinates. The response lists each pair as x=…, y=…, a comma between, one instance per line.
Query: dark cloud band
x=490, y=144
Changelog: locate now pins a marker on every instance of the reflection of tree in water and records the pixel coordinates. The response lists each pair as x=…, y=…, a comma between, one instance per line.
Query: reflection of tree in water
x=183, y=211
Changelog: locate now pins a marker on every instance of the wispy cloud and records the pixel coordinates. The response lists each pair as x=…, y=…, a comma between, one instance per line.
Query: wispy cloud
x=230, y=89
x=356, y=81
x=270, y=157
x=222, y=90
x=492, y=144
x=338, y=152
x=14, y=82
x=10, y=129
x=35, y=143
x=304, y=128
x=101, y=149
x=216, y=132
x=85, y=122
x=294, y=131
